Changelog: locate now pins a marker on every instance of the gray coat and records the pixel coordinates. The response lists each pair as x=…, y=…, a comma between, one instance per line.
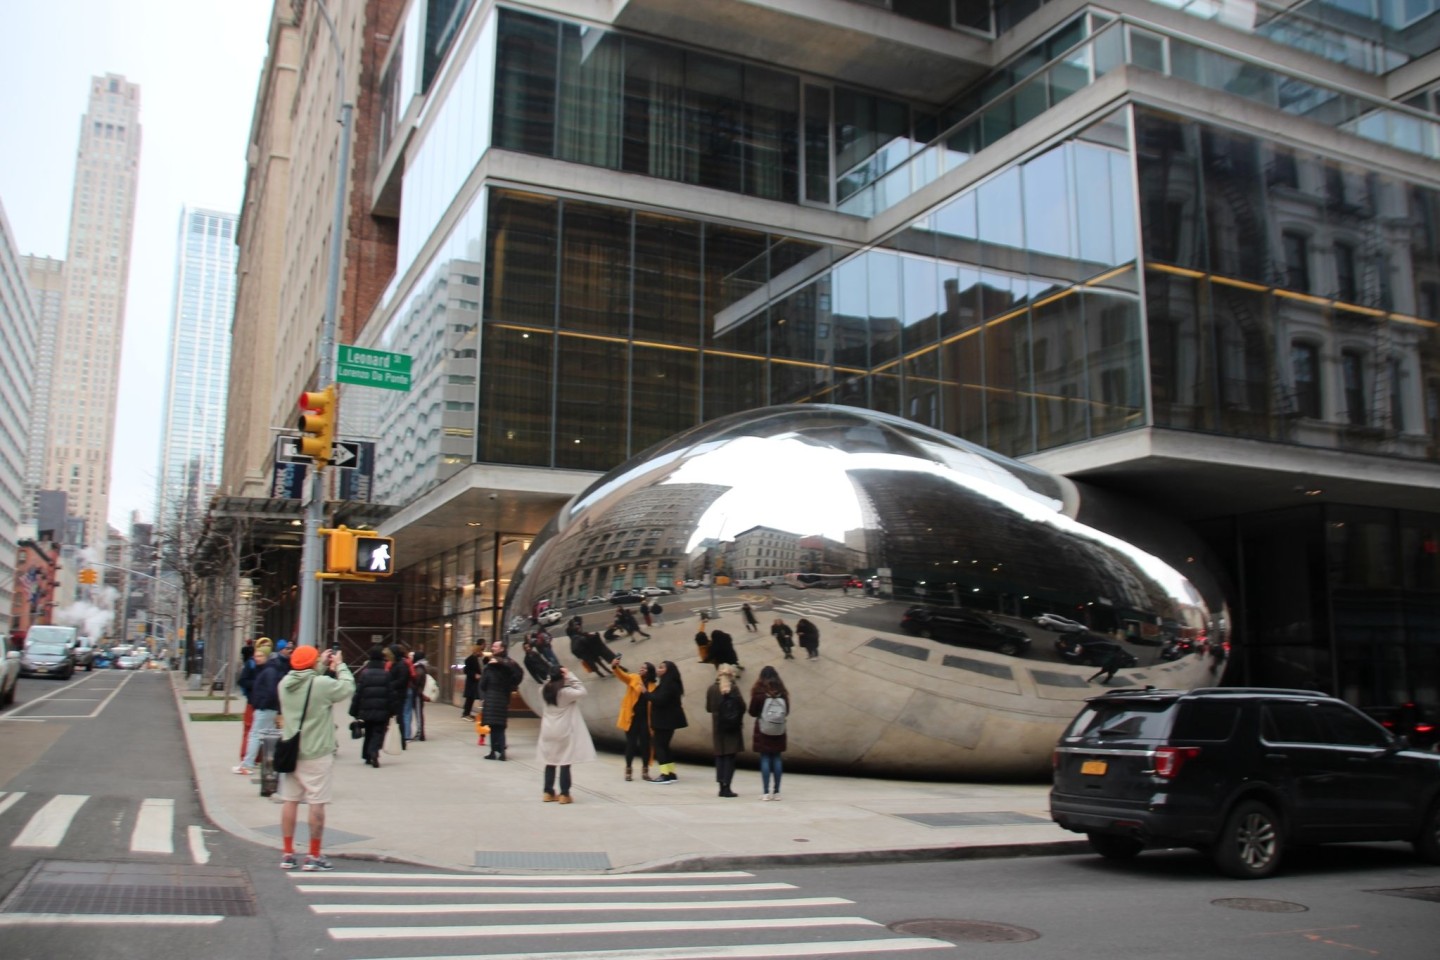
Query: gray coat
x=730, y=741
x=564, y=738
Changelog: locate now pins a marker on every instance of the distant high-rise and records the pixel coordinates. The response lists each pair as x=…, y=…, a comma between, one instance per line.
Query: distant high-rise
x=17, y=359
x=46, y=277
x=198, y=371
x=86, y=372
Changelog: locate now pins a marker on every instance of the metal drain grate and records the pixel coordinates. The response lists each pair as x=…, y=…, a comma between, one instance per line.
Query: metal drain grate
x=521, y=860
x=978, y=666
x=56, y=886
x=1054, y=679
x=1002, y=818
x=910, y=650
x=1414, y=893
x=1260, y=906
x=965, y=931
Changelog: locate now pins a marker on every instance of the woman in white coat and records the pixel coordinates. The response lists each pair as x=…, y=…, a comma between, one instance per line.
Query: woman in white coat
x=564, y=738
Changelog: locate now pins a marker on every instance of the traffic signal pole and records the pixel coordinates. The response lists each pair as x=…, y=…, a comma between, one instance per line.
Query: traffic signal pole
x=310, y=557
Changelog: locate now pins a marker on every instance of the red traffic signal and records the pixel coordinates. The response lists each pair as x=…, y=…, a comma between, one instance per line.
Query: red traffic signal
x=317, y=423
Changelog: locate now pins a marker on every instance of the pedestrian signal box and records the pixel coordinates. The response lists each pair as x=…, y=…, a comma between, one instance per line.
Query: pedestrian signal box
x=357, y=554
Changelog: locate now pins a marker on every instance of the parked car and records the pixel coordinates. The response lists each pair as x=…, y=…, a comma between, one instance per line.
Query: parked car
x=598, y=599
x=1240, y=773
x=1092, y=650
x=9, y=676
x=1053, y=621
x=1413, y=721
x=48, y=658
x=966, y=628
x=626, y=596
x=657, y=591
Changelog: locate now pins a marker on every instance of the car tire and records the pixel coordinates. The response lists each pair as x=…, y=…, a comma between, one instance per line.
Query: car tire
x=1250, y=843
x=1427, y=843
x=1113, y=847
x=1010, y=648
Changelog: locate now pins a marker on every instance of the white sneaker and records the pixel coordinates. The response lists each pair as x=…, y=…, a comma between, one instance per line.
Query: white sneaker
x=764, y=796
x=775, y=795
x=242, y=769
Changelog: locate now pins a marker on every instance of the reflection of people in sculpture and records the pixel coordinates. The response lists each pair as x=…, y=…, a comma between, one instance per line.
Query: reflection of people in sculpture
x=380, y=558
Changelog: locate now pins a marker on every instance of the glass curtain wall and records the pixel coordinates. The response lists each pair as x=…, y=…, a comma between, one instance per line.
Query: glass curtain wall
x=1287, y=293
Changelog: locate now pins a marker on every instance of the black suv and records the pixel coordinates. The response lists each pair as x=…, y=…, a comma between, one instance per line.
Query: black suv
x=966, y=628
x=1239, y=773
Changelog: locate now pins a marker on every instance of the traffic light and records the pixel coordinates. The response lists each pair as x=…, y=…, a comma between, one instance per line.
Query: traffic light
x=357, y=554
x=317, y=423
x=88, y=575
x=374, y=555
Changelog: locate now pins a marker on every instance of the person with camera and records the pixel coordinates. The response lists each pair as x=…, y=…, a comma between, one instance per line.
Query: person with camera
x=499, y=678
x=316, y=682
x=634, y=716
x=564, y=739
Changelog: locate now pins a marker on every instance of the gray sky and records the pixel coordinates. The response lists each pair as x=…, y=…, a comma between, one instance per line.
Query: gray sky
x=197, y=63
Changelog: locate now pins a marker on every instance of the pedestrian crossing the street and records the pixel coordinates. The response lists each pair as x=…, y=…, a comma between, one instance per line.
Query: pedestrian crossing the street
x=36, y=822
x=672, y=916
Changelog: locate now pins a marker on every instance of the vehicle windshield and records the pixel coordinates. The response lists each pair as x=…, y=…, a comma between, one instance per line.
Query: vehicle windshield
x=48, y=649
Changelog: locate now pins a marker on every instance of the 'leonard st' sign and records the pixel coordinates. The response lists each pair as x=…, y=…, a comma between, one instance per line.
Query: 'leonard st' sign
x=373, y=368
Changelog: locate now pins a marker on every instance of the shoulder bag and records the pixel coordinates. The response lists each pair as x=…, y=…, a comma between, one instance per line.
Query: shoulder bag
x=287, y=751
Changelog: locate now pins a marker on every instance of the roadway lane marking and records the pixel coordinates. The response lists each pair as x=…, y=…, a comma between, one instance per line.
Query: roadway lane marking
x=535, y=877
x=154, y=827
x=47, y=827
x=620, y=926
x=10, y=801
x=199, y=853
x=55, y=695
x=70, y=919
x=697, y=888
x=369, y=909
x=747, y=951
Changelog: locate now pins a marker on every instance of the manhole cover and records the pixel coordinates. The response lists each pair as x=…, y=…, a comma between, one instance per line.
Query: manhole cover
x=1260, y=906
x=965, y=931
x=1414, y=893
x=55, y=886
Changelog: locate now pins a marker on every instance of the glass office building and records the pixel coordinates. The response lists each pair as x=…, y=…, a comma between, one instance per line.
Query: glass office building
x=1187, y=252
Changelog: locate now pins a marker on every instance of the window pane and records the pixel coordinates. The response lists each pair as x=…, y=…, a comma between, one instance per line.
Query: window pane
x=514, y=415
x=667, y=279
x=591, y=410
x=665, y=395
x=595, y=270
x=592, y=96
x=520, y=259
x=525, y=83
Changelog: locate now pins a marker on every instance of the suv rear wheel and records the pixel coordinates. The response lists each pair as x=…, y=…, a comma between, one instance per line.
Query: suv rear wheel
x=1249, y=845
x=1427, y=844
x=1111, y=847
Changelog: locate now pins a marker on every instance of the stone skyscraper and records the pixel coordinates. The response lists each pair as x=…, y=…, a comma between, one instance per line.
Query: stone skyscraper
x=86, y=371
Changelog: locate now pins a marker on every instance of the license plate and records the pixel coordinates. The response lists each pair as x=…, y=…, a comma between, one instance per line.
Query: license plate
x=1094, y=767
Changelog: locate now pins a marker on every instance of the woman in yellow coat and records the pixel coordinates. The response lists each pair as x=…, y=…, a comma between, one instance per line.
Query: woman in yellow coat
x=635, y=715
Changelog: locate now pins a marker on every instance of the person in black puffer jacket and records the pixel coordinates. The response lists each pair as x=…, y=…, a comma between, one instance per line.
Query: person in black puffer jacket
x=500, y=678
x=373, y=704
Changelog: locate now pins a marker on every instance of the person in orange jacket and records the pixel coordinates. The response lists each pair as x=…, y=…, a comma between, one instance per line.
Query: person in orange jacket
x=634, y=716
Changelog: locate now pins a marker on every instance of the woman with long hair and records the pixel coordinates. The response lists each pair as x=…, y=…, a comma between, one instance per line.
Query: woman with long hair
x=726, y=707
x=634, y=716
x=564, y=738
x=667, y=714
x=770, y=745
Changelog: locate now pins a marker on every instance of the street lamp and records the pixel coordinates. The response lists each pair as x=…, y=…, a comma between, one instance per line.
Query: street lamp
x=310, y=585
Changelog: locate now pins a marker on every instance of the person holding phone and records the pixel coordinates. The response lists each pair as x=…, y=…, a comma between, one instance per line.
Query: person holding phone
x=564, y=738
x=316, y=682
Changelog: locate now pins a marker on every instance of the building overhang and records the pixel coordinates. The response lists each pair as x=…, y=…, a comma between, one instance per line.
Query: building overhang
x=481, y=500
x=1200, y=476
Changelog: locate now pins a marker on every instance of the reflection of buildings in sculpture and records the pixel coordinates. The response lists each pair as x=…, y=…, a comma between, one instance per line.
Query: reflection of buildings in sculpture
x=641, y=542
x=823, y=555
x=763, y=552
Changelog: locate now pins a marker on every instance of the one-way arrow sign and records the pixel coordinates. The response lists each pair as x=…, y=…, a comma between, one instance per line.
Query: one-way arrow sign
x=287, y=450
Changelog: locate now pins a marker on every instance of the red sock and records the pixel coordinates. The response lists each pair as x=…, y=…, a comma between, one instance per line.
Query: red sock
x=314, y=847
x=289, y=845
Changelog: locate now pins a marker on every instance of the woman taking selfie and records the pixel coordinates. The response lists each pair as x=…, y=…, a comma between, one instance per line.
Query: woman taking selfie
x=564, y=738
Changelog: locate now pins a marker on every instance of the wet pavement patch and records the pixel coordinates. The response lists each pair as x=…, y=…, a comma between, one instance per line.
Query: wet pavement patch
x=145, y=889
x=1260, y=906
x=1414, y=893
x=965, y=931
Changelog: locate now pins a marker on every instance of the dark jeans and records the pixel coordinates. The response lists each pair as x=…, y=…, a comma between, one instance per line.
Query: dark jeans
x=662, y=746
x=374, y=739
x=497, y=737
x=637, y=743
x=724, y=768
x=469, y=709
x=564, y=779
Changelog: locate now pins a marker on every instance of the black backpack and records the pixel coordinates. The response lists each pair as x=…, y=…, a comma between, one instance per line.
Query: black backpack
x=732, y=711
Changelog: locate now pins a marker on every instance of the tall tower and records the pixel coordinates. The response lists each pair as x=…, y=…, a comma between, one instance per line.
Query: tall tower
x=86, y=370
x=17, y=332
x=46, y=277
x=198, y=372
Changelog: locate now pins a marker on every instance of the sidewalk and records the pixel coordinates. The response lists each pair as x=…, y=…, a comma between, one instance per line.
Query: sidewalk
x=439, y=804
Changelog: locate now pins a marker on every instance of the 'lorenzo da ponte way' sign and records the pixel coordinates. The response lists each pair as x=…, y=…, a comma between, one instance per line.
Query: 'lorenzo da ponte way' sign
x=373, y=368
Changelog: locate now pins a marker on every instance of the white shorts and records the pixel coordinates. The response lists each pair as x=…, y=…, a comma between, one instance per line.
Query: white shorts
x=310, y=783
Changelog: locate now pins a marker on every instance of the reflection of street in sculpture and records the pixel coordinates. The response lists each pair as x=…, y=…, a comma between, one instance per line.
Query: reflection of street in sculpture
x=922, y=521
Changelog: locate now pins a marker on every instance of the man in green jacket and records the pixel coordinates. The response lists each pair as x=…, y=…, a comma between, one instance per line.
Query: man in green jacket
x=326, y=681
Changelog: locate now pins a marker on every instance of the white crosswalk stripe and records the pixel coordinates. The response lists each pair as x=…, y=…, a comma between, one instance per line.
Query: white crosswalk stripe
x=827, y=605
x=47, y=826
x=421, y=907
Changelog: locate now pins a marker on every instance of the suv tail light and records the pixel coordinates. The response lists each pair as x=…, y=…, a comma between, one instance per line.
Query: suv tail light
x=1169, y=760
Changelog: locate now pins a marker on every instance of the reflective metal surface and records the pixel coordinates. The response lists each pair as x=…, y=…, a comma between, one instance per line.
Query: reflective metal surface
x=963, y=600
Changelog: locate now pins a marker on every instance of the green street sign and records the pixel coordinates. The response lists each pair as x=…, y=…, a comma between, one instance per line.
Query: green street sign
x=373, y=368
